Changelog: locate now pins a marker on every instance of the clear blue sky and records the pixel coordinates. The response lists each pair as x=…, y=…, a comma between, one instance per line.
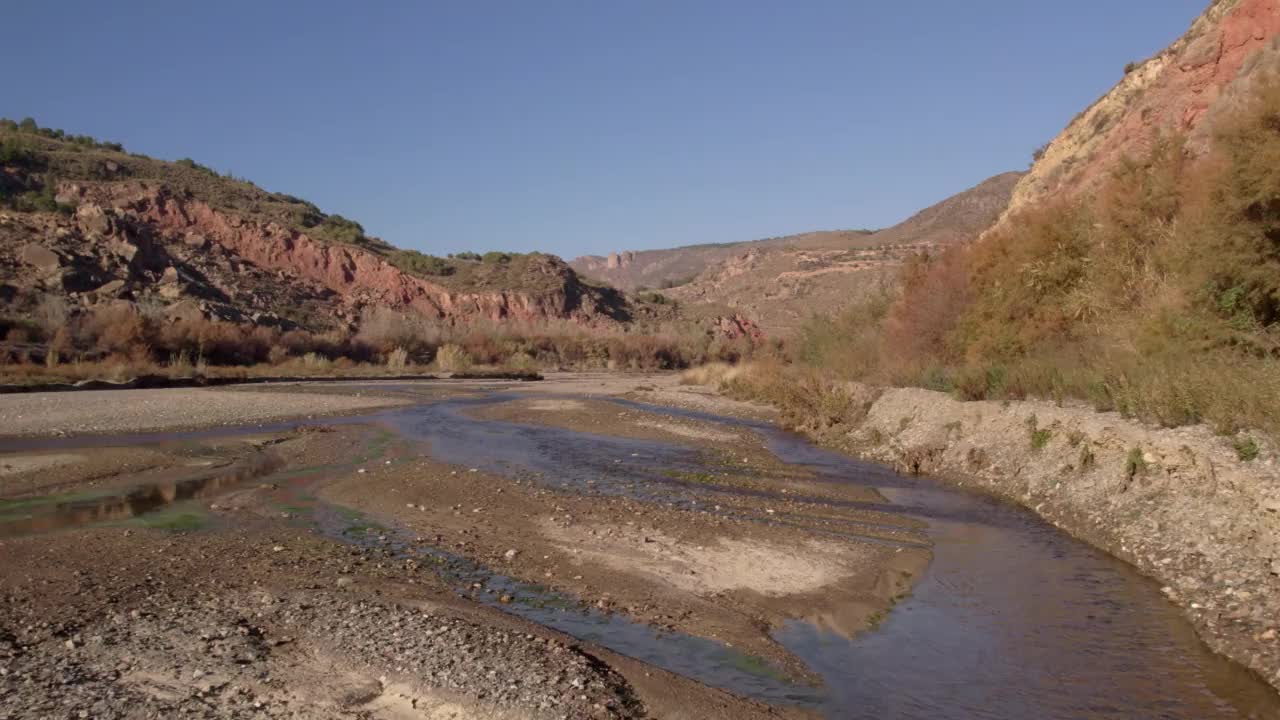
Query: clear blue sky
x=582, y=127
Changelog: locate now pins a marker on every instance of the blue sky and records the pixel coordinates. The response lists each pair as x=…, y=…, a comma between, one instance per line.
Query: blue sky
x=583, y=127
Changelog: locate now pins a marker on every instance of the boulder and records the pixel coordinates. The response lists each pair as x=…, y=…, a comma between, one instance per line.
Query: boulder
x=124, y=249
x=93, y=220
x=110, y=289
x=170, y=275
x=185, y=310
x=68, y=194
x=40, y=257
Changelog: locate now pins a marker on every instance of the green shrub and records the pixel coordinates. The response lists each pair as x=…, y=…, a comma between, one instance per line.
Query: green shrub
x=1246, y=448
x=13, y=151
x=496, y=258
x=655, y=298
x=1040, y=438
x=1087, y=459
x=1135, y=463
x=412, y=261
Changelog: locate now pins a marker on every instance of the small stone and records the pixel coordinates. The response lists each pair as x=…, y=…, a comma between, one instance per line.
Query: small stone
x=1268, y=636
x=345, y=582
x=510, y=554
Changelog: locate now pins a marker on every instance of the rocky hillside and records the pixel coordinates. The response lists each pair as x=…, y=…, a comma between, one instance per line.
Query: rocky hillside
x=782, y=284
x=1185, y=89
x=88, y=223
x=660, y=269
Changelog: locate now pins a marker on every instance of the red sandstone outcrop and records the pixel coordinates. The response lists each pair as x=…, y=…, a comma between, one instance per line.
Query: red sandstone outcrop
x=1183, y=89
x=360, y=277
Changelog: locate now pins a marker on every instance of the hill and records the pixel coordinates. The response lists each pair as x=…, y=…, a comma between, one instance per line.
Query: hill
x=90, y=223
x=1137, y=266
x=110, y=254
x=782, y=283
x=665, y=268
x=1188, y=88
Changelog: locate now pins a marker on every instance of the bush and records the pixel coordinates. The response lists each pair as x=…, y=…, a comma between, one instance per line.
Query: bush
x=496, y=258
x=668, y=283
x=451, y=358
x=466, y=255
x=655, y=298
x=13, y=151
x=1135, y=463
x=412, y=261
x=1246, y=448
x=398, y=359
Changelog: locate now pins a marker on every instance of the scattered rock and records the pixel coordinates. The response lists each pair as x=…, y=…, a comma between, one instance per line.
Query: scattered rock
x=40, y=257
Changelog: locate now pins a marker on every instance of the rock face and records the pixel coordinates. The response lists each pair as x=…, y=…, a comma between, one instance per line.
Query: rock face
x=358, y=275
x=144, y=237
x=1183, y=89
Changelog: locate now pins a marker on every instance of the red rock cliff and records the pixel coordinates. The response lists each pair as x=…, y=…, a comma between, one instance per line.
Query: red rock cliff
x=357, y=275
x=1182, y=89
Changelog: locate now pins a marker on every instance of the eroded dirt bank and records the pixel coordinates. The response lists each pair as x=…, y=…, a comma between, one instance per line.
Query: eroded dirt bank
x=1181, y=505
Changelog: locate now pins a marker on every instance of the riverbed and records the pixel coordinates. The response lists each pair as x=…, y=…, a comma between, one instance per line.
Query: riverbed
x=698, y=550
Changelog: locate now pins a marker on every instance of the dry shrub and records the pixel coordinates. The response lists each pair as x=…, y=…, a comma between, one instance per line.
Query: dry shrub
x=385, y=330
x=807, y=399
x=119, y=329
x=17, y=335
x=934, y=293
x=316, y=362
x=278, y=354
x=714, y=373
x=452, y=358
x=398, y=359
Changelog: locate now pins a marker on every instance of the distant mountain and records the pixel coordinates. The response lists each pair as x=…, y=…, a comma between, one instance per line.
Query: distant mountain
x=648, y=269
x=780, y=282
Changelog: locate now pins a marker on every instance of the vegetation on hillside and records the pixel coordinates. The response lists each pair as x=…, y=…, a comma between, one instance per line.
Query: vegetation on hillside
x=1157, y=296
